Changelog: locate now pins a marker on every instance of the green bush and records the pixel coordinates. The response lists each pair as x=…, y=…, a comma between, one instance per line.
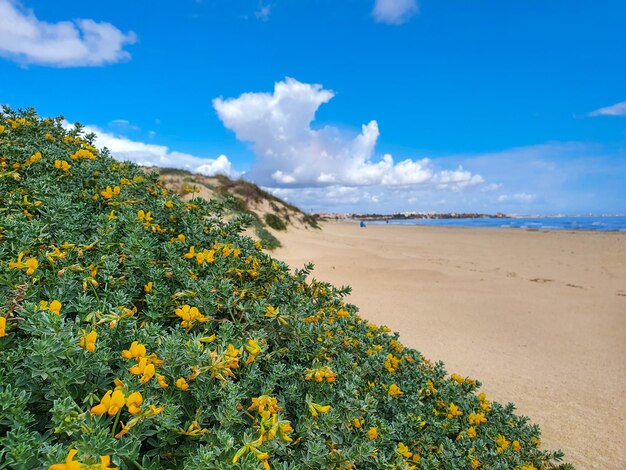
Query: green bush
x=140, y=331
x=275, y=222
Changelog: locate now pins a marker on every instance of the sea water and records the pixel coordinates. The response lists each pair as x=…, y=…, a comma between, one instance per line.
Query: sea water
x=599, y=223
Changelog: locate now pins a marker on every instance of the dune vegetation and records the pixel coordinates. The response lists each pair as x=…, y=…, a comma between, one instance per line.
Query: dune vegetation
x=139, y=330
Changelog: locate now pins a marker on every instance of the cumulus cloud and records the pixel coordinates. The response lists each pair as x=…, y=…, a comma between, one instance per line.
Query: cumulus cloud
x=394, y=11
x=82, y=42
x=618, y=109
x=161, y=156
x=290, y=153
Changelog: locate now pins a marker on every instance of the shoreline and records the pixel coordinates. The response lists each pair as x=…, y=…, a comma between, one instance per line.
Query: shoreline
x=537, y=316
x=473, y=227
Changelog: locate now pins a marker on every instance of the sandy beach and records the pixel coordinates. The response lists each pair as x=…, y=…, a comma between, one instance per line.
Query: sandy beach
x=539, y=317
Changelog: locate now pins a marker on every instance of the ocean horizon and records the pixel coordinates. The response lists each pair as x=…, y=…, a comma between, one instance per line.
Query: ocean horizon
x=602, y=223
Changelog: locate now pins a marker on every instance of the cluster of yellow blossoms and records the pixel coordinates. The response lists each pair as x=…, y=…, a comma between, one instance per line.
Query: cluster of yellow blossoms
x=83, y=154
x=391, y=363
x=114, y=401
x=88, y=340
x=190, y=316
x=110, y=192
x=403, y=451
x=270, y=426
x=53, y=306
x=395, y=391
x=34, y=158
x=204, y=256
x=146, y=364
x=321, y=374
x=62, y=165
x=15, y=123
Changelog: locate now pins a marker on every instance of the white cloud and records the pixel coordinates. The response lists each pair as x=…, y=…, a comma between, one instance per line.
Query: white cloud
x=394, y=11
x=490, y=187
x=618, y=109
x=289, y=152
x=263, y=13
x=523, y=198
x=161, y=156
x=82, y=42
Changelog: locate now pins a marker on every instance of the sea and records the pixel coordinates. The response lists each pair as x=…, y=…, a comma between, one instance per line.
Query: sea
x=616, y=223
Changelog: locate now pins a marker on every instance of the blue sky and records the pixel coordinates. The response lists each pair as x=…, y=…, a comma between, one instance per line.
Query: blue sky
x=344, y=105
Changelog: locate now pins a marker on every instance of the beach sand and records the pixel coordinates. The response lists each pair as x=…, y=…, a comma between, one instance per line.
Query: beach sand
x=539, y=317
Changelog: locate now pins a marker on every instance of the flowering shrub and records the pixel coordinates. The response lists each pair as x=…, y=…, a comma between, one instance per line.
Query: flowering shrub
x=140, y=331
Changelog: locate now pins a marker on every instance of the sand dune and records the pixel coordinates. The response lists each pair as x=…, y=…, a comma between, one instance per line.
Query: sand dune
x=539, y=317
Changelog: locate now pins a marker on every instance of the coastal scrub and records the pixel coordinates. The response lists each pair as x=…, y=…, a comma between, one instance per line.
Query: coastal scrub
x=141, y=331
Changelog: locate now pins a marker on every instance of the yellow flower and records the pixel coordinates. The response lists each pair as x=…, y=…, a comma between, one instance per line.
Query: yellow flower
x=3, y=326
x=475, y=463
x=62, y=165
x=144, y=216
x=395, y=391
x=148, y=288
x=169, y=204
x=1, y=129
x=403, y=450
x=271, y=312
x=528, y=467
x=471, y=432
x=70, y=463
x=153, y=410
x=502, y=443
x=81, y=153
x=105, y=461
x=111, y=403
x=284, y=428
x=109, y=192
x=372, y=433
x=136, y=351
x=55, y=307
x=133, y=401
x=391, y=363
x=516, y=446
x=31, y=264
x=144, y=369
x=457, y=378
x=189, y=316
x=161, y=380
x=205, y=256
x=316, y=409
x=88, y=340
x=182, y=384
x=253, y=349
x=476, y=418
x=453, y=411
